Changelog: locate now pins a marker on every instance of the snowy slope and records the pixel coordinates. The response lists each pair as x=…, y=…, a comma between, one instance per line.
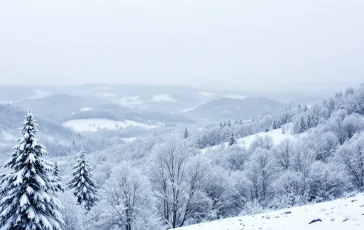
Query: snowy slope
x=163, y=97
x=131, y=101
x=275, y=134
x=342, y=214
x=93, y=125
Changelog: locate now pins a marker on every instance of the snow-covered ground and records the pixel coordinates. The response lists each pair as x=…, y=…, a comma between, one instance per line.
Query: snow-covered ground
x=163, y=97
x=235, y=96
x=342, y=214
x=206, y=94
x=276, y=135
x=86, y=109
x=93, y=125
x=131, y=101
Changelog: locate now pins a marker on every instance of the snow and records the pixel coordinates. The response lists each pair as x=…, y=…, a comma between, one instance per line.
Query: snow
x=128, y=139
x=275, y=134
x=93, y=125
x=86, y=109
x=346, y=213
x=162, y=97
x=206, y=94
x=40, y=94
x=131, y=101
x=235, y=96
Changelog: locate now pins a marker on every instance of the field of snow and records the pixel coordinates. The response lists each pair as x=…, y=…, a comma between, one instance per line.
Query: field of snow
x=93, y=125
x=162, y=97
x=206, y=94
x=235, y=96
x=86, y=109
x=131, y=101
x=275, y=134
x=342, y=214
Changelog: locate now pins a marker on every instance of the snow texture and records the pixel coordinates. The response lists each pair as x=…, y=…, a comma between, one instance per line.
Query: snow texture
x=276, y=135
x=163, y=98
x=235, y=96
x=86, y=109
x=131, y=101
x=347, y=213
x=93, y=125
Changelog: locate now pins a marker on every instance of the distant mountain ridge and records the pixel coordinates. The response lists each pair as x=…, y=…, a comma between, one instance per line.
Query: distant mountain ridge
x=237, y=109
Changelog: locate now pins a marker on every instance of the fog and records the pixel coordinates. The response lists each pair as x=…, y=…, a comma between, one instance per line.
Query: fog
x=233, y=44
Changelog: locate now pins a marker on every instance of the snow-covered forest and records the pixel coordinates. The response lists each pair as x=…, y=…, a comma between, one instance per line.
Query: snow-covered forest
x=175, y=176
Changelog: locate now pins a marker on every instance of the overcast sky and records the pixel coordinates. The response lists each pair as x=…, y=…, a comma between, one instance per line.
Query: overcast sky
x=226, y=43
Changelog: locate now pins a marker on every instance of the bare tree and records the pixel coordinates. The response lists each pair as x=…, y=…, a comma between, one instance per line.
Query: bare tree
x=175, y=184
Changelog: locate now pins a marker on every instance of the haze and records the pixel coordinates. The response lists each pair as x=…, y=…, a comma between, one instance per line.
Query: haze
x=231, y=43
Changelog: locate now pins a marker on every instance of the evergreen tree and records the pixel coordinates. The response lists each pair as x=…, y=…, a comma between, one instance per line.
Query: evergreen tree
x=232, y=140
x=303, y=125
x=186, y=133
x=27, y=193
x=57, y=178
x=85, y=188
x=229, y=124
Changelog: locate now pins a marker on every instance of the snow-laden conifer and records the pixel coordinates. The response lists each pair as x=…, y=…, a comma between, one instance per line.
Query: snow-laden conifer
x=57, y=177
x=186, y=134
x=85, y=188
x=232, y=140
x=27, y=193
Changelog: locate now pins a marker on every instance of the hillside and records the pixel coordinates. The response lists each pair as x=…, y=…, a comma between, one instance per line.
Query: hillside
x=237, y=107
x=58, y=139
x=276, y=135
x=346, y=213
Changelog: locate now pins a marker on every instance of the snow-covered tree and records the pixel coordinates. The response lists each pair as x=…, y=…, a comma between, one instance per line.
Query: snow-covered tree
x=232, y=140
x=351, y=157
x=85, y=188
x=302, y=125
x=72, y=213
x=186, y=133
x=128, y=197
x=175, y=183
x=27, y=194
x=56, y=177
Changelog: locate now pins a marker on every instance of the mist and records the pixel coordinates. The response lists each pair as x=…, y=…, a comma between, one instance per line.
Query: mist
x=219, y=44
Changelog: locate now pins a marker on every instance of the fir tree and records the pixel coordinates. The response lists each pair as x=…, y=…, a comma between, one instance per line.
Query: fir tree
x=56, y=177
x=229, y=123
x=232, y=140
x=27, y=193
x=186, y=133
x=85, y=188
x=303, y=125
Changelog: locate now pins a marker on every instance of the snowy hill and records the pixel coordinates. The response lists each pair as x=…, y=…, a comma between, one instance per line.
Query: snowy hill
x=347, y=213
x=237, y=107
x=93, y=125
x=277, y=136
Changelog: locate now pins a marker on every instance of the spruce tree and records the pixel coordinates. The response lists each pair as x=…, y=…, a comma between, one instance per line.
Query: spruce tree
x=85, y=188
x=27, y=193
x=232, y=140
x=57, y=178
x=303, y=125
x=186, y=133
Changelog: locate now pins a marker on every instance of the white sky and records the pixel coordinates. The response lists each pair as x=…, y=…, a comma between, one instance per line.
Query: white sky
x=225, y=43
